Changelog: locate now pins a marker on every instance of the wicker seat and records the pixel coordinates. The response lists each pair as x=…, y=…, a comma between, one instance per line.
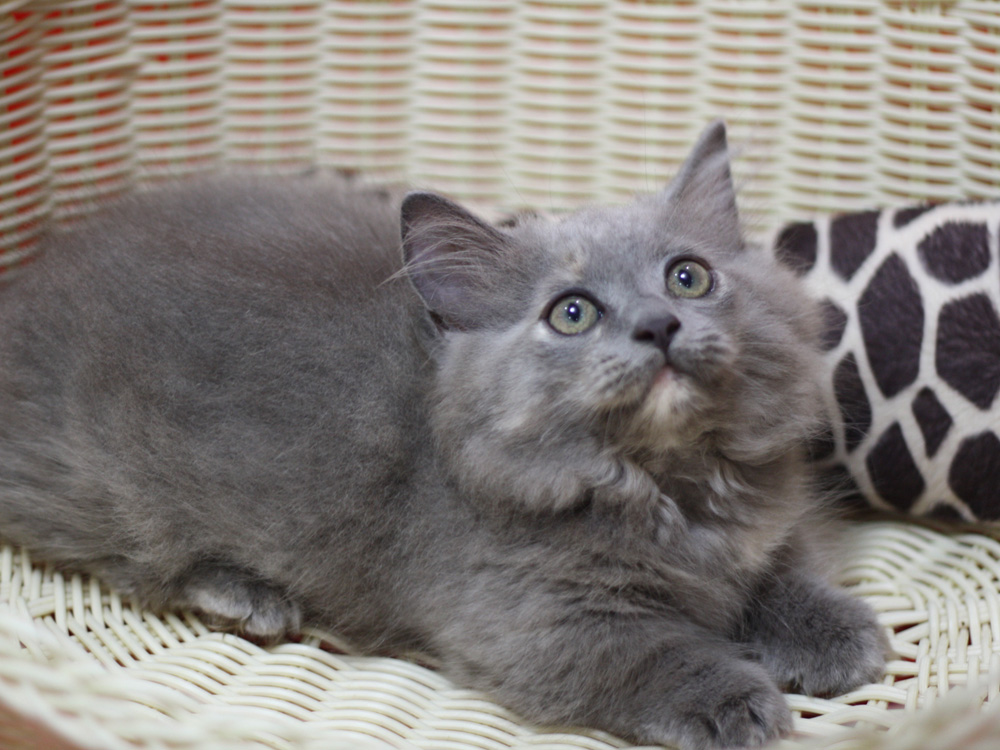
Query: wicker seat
x=833, y=104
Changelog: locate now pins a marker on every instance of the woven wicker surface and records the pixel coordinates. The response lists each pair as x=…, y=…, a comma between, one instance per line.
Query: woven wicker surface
x=79, y=663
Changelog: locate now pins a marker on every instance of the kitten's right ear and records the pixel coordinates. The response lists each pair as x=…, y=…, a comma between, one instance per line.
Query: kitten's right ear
x=453, y=259
x=702, y=191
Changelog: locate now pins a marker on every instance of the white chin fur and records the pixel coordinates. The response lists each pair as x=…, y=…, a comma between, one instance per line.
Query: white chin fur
x=666, y=417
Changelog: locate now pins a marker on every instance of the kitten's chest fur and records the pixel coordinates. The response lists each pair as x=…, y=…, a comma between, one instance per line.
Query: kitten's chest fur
x=737, y=530
x=703, y=563
x=723, y=549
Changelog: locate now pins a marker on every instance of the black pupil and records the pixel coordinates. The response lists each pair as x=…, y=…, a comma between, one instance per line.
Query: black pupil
x=685, y=277
x=573, y=312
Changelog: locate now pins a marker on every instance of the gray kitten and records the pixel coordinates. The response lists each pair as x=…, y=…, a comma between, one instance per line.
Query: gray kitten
x=564, y=458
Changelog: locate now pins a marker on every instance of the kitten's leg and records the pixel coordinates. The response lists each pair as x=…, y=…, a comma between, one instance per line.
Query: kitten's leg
x=814, y=637
x=647, y=679
x=228, y=596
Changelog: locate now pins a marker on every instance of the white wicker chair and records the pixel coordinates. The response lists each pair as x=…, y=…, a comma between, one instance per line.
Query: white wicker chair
x=840, y=104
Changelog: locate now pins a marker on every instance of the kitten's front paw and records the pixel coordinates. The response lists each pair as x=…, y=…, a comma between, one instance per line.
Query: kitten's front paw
x=852, y=653
x=840, y=648
x=743, y=709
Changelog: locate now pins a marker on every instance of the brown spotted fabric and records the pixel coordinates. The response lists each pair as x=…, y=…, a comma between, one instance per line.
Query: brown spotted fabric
x=911, y=302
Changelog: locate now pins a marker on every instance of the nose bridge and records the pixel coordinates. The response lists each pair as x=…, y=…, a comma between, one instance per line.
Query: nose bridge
x=640, y=296
x=645, y=306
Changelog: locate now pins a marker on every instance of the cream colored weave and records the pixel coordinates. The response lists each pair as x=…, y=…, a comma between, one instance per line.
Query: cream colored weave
x=833, y=104
x=79, y=662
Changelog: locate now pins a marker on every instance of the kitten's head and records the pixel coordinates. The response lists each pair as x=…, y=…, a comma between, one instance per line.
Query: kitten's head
x=614, y=334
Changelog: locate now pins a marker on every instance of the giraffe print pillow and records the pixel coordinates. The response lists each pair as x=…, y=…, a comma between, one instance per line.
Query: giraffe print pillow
x=912, y=339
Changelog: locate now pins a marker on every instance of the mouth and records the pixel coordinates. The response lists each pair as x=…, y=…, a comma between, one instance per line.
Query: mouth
x=668, y=391
x=642, y=390
x=664, y=378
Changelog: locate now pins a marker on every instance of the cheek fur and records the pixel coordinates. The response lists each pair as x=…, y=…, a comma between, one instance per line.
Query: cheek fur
x=774, y=397
x=600, y=372
x=706, y=355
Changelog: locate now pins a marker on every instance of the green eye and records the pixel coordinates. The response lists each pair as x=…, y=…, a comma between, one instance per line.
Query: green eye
x=573, y=314
x=689, y=278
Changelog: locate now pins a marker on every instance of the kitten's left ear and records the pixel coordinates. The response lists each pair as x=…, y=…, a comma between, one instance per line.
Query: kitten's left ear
x=456, y=261
x=701, y=195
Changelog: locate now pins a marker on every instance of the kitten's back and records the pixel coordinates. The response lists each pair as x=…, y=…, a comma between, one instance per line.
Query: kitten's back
x=191, y=344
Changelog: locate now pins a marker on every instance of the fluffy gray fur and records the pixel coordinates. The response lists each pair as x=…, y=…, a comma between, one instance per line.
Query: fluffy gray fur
x=241, y=396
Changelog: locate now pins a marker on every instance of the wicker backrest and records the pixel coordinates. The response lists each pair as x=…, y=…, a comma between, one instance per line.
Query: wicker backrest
x=839, y=104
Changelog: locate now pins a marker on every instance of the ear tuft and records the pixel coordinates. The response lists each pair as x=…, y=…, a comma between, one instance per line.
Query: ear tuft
x=418, y=208
x=451, y=257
